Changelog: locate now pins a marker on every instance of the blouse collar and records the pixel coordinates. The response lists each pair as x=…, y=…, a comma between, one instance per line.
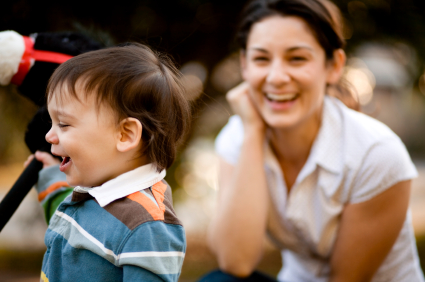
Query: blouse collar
x=326, y=150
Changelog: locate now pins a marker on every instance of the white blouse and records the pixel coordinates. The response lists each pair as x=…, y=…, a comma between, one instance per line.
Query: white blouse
x=353, y=159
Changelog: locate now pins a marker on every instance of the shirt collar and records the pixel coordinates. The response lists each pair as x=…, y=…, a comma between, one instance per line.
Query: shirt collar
x=326, y=149
x=125, y=184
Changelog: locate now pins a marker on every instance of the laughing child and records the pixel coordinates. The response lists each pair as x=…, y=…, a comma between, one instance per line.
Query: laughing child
x=117, y=117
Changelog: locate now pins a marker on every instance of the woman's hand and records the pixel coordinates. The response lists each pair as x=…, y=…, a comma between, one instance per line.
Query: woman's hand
x=242, y=104
x=47, y=159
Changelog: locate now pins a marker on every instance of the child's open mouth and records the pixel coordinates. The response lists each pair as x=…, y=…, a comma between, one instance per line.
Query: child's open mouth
x=66, y=162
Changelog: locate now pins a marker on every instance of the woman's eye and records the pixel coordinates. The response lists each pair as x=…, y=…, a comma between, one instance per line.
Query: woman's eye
x=260, y=59
x=297, y=59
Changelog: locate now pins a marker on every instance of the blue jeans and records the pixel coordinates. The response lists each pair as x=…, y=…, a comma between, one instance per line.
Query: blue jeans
x=219, y=276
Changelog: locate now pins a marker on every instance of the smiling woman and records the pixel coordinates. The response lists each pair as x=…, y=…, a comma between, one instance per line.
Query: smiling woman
x=279, y=71
x=329, y=185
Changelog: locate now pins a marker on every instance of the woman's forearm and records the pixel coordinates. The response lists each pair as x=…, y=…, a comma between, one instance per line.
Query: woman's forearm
x=238, y=230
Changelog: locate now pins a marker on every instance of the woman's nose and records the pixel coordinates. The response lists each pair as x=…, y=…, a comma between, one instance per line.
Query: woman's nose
x=51, y=137
x=278, y=74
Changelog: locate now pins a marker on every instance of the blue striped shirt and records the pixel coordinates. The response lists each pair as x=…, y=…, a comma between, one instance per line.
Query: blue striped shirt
x=134, y=238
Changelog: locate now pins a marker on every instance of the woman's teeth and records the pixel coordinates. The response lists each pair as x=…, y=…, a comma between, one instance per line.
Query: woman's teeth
x=281, y=97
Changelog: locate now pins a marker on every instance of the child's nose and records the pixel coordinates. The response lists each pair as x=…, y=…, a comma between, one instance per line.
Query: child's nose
x=51, y=137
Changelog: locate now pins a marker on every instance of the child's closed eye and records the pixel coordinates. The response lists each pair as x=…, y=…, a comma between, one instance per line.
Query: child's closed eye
x=62, y=125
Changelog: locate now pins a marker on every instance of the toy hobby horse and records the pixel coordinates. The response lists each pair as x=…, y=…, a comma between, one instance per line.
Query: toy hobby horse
x=28, y=62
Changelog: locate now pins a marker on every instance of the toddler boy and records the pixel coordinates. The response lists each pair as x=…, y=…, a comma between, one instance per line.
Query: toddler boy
x=117, y=117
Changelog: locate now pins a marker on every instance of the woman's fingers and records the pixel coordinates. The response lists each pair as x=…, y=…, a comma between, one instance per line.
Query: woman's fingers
x=46, y=158
x=235, y=92
x=242, y=104
x=236, y=96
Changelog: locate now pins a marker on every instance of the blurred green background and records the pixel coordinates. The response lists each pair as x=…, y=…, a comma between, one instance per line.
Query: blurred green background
x=386, y=51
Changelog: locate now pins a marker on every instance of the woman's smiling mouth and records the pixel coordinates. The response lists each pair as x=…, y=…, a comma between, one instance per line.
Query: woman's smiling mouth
x=281, y=97
x=281, y=101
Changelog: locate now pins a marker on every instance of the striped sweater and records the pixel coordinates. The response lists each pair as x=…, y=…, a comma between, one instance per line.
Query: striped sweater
x=133, y=238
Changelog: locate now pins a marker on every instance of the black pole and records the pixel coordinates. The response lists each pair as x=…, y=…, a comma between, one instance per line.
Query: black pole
x=19, y=190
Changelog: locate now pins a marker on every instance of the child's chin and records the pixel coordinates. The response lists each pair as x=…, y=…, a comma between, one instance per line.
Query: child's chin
x=72, y=182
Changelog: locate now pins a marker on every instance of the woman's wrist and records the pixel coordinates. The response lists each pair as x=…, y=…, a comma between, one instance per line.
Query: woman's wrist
x=254, y=134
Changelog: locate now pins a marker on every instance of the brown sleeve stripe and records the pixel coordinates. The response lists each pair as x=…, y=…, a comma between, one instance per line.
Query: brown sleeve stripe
x=151, y=208
x=158, y=191
x=55, y=186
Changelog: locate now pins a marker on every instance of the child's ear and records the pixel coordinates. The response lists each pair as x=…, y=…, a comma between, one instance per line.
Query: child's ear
x=129, y=135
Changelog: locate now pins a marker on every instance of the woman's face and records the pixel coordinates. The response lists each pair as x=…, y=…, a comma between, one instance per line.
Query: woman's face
x=287, y=71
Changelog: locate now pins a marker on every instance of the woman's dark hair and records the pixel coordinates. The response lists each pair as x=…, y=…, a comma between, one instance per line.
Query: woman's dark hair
x=324, y=20
x=133, y=81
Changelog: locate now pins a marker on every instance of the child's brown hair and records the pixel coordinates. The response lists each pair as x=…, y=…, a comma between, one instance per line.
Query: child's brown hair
x=133, y=81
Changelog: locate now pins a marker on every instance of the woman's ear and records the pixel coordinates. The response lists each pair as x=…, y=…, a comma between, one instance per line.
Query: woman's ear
x=242, y=61
x=336, y=66
x=129, y=134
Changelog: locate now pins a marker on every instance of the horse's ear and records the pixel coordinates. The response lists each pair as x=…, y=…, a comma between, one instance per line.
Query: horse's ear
x=29, y=61
x=12, y=48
